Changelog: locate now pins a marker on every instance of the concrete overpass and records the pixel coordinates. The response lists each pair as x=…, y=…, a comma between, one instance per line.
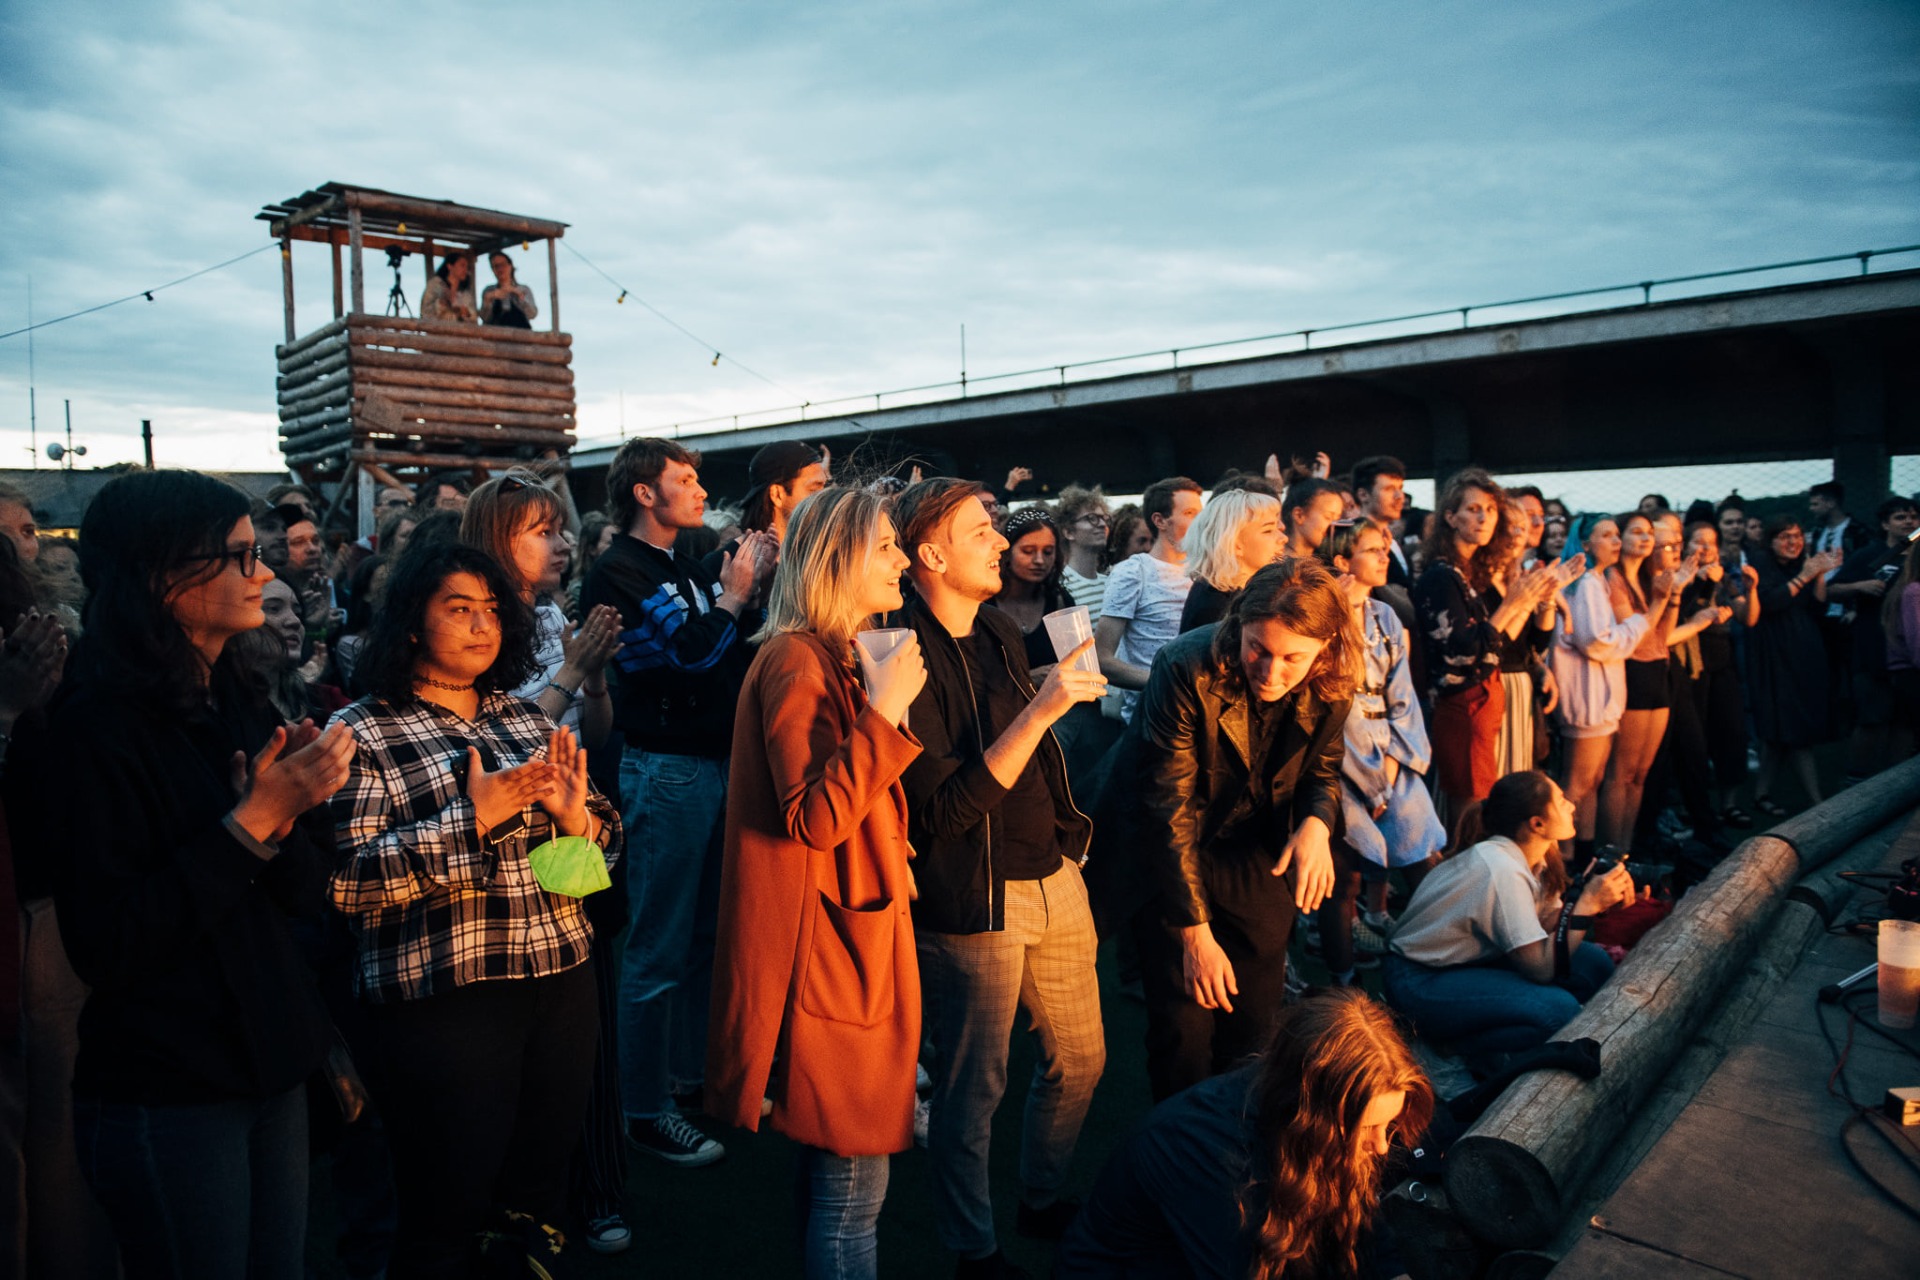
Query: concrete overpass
x=1819, y=370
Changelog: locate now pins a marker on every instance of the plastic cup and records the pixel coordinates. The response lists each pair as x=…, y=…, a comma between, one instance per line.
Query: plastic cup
x=1899, y=972
x=1068, y=629
x=876, y=647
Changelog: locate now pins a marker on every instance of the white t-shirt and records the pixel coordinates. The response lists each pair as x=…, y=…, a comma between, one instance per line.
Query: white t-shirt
x=1481, y=903
x=550, y=651
x=1089, y=593
x=1148, y=595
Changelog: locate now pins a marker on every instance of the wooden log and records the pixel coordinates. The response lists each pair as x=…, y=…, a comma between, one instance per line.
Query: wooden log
x=497, y=333
x=299, y=399
x=505, y=401
x=319, y=438
x=359, y=279
x=401, y=382
x=553, y=284
x=341, y=449
x=315, y=355
x=481, y=419
x=428, y=213
x=1512, y=1176
x=369, y=358
x=433, y=461
x=477, y=341
x=339, y=285
x=321, y=334
x=469, y=434
x=318, y=418
x=286, y=282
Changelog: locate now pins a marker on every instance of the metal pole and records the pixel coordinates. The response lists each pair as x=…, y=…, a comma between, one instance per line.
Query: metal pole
x=146, y=439
x=33, y=408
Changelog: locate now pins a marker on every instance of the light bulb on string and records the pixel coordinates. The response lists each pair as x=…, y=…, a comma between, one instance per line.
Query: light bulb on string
x=622, y=298
x=716, y=359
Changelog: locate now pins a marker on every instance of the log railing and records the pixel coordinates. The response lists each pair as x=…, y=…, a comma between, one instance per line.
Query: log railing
x=407, y=392
x=1514, y=1175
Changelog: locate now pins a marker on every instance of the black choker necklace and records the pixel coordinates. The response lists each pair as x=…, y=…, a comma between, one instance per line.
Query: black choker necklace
x=431, y=683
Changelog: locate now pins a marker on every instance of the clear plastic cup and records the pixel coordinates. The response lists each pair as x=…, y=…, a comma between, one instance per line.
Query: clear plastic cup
x=1068, y=629
x=875, y=647
x=1899, y=972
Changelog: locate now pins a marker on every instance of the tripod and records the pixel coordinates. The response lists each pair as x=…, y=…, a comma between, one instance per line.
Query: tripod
x=397, y=296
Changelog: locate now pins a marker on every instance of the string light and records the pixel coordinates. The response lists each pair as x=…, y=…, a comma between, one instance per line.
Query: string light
x=142, y=293
x=690, y=334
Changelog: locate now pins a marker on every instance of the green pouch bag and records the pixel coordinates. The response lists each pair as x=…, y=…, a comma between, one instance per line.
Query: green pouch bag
x=570, y=865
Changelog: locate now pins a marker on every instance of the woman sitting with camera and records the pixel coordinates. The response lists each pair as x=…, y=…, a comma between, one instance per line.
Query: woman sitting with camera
x=1486, y=959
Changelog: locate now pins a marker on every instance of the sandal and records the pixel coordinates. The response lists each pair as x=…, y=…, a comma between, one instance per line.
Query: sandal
x=1769, y=809
x=1734, y=816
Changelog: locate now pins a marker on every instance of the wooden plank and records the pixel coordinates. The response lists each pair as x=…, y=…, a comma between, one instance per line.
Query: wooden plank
x=354, y=238
x=496, y=333
x=440, y=214
x=286, y=283
x=321, y=334
x=501, y=401
x=468, y=432
x=553, y=285
x=341, y=449
x=401, y=381
x=434, y=461
x=314, y=362
x=482, y=418
x=339, y=283
x=311, y=394
x=370, y=358
x=305, y=422
x=476, y=341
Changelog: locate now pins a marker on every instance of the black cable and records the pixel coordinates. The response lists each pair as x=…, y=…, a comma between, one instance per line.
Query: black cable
x=1866, y=1115
x=142, y=293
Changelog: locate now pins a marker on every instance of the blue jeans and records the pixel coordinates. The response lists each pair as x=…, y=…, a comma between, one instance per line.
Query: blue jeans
x=839, y=1199
x=1492, y=1008
x=211, y=1191
x=675, y=810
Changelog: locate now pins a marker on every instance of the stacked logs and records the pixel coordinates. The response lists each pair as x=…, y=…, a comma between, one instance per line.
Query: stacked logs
x=405, y=392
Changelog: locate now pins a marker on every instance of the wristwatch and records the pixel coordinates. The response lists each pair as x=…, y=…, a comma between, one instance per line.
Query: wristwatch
x=507, y=830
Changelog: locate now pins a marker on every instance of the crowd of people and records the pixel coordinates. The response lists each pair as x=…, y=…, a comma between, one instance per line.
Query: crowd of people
x=501, y=845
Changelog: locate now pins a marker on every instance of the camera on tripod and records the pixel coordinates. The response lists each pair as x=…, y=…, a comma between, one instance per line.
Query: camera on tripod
x=397, y=296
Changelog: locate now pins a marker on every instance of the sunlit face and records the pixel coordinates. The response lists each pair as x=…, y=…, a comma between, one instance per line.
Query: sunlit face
x=460, y=635
x=1386, y=499
x=966, y=552
x=1258, y=542
x=1536, y=512
x=1274, y=659
x=1368, y=563
x=811, y=480
x=1559, y=817
x=282, y=609
x=540, y=552
x=1636, y=540
x=1311, y=522
x=1603, y=545
x=1173, y=527
x=1733, y=526
x=1089, y=528
x=676, y=499
x=1705, y=543
x=1789, y=543
x=880, y=587
x=303, y=548
x=212, y=600
x=1375, y=1136
x=1032, y=555
x=1475, y=519
x=16, y=522
x=1666, y=546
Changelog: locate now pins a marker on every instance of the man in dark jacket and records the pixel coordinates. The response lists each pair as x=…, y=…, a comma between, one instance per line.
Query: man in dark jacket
x=1215, y=820
x=675, y=677
x=1002, y=919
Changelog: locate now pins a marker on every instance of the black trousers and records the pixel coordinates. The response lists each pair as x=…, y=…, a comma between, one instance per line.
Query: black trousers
x=1723, y=718
x=486, y=1086
x=1252, y=921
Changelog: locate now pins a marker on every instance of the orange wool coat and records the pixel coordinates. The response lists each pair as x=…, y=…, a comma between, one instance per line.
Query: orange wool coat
x=814, y=958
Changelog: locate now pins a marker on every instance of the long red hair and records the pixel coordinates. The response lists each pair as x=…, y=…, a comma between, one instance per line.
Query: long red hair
x=1331, y=1056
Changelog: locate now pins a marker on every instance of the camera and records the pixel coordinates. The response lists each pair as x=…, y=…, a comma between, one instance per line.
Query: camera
x=395, y=253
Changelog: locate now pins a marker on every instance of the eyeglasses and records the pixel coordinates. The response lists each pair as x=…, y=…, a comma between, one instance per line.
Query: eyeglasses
x=1097, y=522
x=249, y=558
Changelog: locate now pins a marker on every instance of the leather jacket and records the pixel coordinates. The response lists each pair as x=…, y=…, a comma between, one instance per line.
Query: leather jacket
x=1182, y=769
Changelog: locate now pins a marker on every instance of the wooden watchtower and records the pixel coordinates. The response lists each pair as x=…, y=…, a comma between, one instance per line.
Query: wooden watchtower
x=413, y=396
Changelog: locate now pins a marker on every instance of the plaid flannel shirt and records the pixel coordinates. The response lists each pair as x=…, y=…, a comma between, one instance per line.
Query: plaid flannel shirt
x=433, y=905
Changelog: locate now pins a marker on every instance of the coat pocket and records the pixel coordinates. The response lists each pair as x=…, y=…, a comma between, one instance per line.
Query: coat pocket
x=850, y=964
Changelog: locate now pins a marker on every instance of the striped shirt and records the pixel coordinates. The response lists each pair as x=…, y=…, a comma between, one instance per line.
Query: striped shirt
x=433, y=905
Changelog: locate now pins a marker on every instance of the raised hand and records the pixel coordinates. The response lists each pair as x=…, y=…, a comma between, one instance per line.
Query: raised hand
x=591, y=645
x=1017, y=476
x=566, y=803
x=499, y=795
x=316, y=664
x=1067, y=684
x=298, y=768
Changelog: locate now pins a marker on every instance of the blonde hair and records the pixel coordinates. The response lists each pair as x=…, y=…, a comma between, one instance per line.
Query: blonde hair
x=1213, y=556
x=830, y=542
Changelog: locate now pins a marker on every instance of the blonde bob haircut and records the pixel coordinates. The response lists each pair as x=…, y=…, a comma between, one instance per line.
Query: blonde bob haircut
x=830, y=543
x=1212, y=542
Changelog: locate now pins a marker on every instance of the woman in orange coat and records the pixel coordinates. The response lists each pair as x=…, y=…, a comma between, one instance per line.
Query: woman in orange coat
x=816, y=992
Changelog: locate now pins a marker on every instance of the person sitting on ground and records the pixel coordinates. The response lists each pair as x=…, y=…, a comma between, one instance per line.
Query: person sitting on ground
x=506, y=302
x=1485, y=959
x=1233, y=537
x=449, y=295
x=1269, y=1167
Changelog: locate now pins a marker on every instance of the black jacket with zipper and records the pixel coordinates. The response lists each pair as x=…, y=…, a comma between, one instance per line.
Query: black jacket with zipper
x=953, y=800
x=1182, y=767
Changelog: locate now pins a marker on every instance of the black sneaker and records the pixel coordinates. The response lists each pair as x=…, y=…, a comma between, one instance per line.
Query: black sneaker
x=992, y=1267
x=1049, y=1223
x=672, y=1139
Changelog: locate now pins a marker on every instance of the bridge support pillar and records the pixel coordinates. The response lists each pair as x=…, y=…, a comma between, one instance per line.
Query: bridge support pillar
x=1861, y=459
x=1452, y=440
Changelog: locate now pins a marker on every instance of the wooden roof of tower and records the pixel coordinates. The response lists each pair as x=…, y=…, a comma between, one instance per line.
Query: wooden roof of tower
x=406, y=394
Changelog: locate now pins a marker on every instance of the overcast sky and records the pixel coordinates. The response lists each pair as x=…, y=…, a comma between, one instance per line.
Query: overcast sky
x=827, y=192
